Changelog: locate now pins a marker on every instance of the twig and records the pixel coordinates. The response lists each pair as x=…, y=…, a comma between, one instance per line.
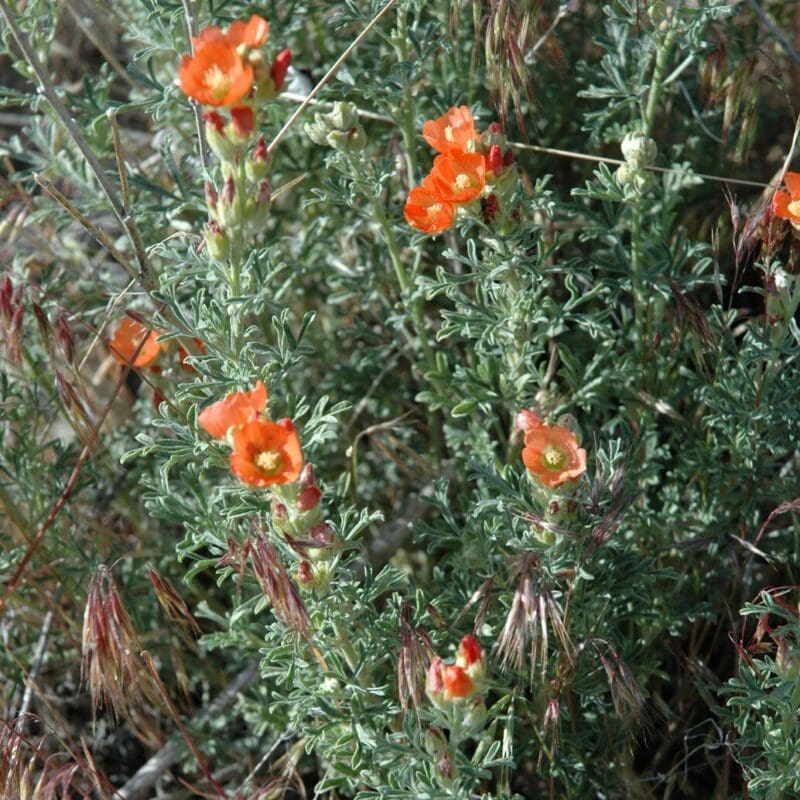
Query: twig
x=138, y=787
x=48, y=90
x=102, y=238
x=73, y=478
x=775, y=31
x=101, y=46
x=38, y=656
x=618, y=162
x=198, y=111
x=291, y=97
x=173, y=712
x=563, y=10
x=327, y=76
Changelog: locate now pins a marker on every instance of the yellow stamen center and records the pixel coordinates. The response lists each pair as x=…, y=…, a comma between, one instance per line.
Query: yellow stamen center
x=553, y=457
x=794, y=208
x=448, y=134
x=462, y=181
x=217, y=82
x=268, y=462
x=434, y=209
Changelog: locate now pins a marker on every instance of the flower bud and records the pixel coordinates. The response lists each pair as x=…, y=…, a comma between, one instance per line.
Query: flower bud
x=279, y=513
x=279, y=68
x=211, y=195
x=435, y=683
x=308, y=498
x=457, y=684
x=471, y=658
x=489, y=207
x=638, y=150
x=258, y=164
x=349, y=141
x=322, y=534
x=528, y=420
x=217, y=241
x=220, y=144
x=494, y=161
x=243, y=123
x=343, y=117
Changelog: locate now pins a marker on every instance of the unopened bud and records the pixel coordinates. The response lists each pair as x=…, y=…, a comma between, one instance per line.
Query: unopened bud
x=220, y=144
x=308, y=498
x=243, y=122
x=211, y=195
x=553, y=508
x=494, y=161
x=638, y=150
x=279, y=512
x=489, y=207
x=508, y=158
x=229, y=190
x=435, y=683
x=287, y=424
x=264, y=193
x=217, y=241
x=494, y=128
x=322, y=534
x=279, y=68
x=527, y=420
x=305, y=575
x=307, y=477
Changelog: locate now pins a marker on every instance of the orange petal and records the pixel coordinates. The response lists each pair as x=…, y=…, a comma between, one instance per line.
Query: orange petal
x=237, y=408
x=253, y=33
x=780, y=204
x=792, y=181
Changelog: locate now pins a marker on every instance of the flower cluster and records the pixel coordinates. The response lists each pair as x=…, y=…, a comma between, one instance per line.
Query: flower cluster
x=228, y=70
x=228, y=66
x=551, y=453
x=468, y=167
x=453, y=683
x=455, y=689
x=265, y=453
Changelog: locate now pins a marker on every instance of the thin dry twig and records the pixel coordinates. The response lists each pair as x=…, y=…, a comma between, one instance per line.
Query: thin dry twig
x=66, y=493
x=196, y=108
x=327, y=76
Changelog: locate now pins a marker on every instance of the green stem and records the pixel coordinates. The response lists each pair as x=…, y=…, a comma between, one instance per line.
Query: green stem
x=636, y=267
x=656, y=85
x=407, y=126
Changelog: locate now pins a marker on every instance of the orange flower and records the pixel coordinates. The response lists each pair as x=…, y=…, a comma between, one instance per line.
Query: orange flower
x=786, y=205
x=552, y=454
x=452, y=133
x=426, y=211
x=266, y=453
x=458, y=178
x=215, y=75
x=126, y=339
x=238, y=408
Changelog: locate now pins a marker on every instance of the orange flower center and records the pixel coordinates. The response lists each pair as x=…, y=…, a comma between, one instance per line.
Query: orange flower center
x=794, y=208
x=434, y=210
x=268, y=462
x=553, y=457
x=217, y=82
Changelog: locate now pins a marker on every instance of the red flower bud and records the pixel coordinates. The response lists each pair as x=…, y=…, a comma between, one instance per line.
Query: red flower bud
x=243, y=121
x=470, y=650
x=435, y=681
x=214, y=120
x=278, y=511
x=494, y=128
x=280, y=66
x=308, y=498
x=228, y=190
x=322, y=534
x=264, y=193
x=494, y=162
x=489, y=208
x=528, y=420
x=287, y=424
x=508, y=158
x=260, y=152
x=211, y=194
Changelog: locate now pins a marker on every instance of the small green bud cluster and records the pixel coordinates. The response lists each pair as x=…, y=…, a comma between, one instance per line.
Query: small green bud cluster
x=339, y=129
x=640, y=153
